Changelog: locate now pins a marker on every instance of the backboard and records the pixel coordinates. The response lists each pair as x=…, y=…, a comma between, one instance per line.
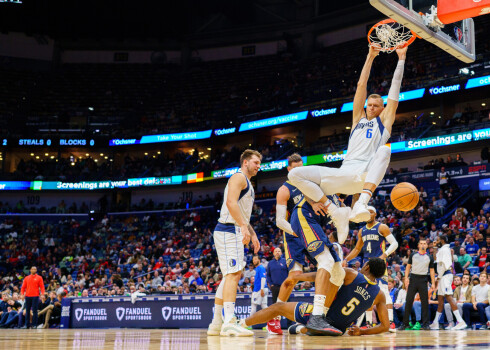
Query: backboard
x=457, y=39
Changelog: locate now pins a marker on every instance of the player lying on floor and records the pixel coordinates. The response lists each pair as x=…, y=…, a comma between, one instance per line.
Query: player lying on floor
x=359, y=291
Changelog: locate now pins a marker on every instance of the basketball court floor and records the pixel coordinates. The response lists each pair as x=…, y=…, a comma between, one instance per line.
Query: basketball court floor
x=193, y=339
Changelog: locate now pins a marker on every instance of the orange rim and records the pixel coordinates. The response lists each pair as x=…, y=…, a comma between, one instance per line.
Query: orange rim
x=386, y=21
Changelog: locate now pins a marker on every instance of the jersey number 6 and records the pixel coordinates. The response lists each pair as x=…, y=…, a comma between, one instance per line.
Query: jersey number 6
x=369, y=133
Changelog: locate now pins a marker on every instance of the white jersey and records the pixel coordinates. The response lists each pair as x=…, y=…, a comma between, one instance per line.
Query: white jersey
x=365, y=139
x=245, y=203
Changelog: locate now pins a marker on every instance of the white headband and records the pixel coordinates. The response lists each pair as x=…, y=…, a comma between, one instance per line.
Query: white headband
x=371, y=208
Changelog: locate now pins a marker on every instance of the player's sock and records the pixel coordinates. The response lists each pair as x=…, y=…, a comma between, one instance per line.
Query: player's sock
x=253, y=309
x=217, y=317
x=438, y=314
x=369, y=316
x=390, y=315
x=318, y=304
x=229, y=310
x=458, y=316
x=365, y=196
x=325, y=310
x=279, y=301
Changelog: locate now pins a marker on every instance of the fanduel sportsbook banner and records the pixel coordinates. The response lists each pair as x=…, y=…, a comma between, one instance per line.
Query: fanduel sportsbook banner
x=176, y=311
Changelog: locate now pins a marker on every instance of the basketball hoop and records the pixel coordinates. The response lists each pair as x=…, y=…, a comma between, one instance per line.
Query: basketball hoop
x=389, y=35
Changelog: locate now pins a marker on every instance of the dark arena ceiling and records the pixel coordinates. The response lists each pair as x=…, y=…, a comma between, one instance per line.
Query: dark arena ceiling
x=95, y=23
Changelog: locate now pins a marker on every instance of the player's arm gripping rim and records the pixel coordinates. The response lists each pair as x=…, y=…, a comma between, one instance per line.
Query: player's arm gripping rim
x=236, y=184
x=383, y=326
x=282, y=198
x=361, y=92
x=387, y=116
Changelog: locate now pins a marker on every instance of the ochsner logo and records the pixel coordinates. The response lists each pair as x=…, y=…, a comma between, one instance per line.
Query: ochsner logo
x=443, y=89
x=133, y=313
x=181, y=313
x=99, y=314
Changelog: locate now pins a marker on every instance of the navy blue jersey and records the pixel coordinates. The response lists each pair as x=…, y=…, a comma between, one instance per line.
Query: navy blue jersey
x=374, y=242
x=352, y=301
x=295, y=196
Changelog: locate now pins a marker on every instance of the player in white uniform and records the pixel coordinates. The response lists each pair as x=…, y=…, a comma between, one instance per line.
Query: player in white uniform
x=232, y=232
x=367, y=156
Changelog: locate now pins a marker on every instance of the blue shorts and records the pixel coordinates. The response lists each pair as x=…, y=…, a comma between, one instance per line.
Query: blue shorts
x=312, y=237
x=295, y=252
x=302, y=313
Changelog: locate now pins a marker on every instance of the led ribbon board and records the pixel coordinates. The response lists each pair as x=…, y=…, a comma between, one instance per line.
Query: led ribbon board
x=284, y=119
x=183, y=136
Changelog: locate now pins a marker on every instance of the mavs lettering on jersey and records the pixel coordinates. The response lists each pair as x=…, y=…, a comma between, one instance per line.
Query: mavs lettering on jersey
x=365, y=139
x=374, y=242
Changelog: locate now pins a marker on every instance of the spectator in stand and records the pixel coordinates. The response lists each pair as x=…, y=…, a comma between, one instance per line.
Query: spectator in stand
x=479, y=301
x=156, y=281
x=443, y=179
x=471, y=247
x=462, y=294
x=464, y=259
x=483, y=261
x=486, y=206
x=454, y=223
x=31, y=288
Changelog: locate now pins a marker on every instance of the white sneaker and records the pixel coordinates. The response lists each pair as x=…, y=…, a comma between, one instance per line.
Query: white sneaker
x=450, y=326
x=460, y=326
x=232, y=328
x=340, y=218
x=434, y=326
x=40, y=326
x=360, y=213
x=214, y=329
x=134, y=296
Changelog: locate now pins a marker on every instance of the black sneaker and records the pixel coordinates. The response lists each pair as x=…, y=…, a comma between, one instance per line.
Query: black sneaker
x=402, y=327
x=425, y=327
x=318, y=325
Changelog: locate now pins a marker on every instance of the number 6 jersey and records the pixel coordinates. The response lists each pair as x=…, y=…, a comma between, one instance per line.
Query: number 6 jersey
x=365, y=139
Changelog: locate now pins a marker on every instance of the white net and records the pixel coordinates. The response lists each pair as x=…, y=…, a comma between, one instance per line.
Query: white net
x=388, y=37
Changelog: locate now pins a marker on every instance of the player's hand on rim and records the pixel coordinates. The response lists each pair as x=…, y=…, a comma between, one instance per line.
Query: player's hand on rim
x=402, y=52
x=374, y=50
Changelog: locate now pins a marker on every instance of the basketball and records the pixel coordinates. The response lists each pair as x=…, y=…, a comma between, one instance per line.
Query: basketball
x=404, y=196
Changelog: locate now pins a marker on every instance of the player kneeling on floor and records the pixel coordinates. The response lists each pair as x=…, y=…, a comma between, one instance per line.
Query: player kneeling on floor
x=356, y=295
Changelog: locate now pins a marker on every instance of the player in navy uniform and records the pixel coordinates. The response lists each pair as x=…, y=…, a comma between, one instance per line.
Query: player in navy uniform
x=357, y=294
x=287, y=198
x=371, y=241
x=307, y=224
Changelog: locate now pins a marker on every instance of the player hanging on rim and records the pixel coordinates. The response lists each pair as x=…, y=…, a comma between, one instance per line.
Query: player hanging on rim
x=367, y=156
x=232, y=232
x=371, y=241
x=358, y=292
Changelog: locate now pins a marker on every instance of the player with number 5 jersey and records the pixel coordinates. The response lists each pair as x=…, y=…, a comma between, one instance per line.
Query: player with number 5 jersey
x=371, y=241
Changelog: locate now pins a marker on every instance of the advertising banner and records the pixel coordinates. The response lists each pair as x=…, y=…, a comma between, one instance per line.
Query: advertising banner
x=176, y=311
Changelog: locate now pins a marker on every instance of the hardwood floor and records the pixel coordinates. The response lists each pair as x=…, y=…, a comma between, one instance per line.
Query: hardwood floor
x=193, y=339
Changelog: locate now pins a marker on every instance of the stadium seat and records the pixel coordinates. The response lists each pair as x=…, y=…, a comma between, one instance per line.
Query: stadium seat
x=474, y=270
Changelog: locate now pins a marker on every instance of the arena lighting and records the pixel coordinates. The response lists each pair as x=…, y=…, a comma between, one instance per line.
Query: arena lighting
x=396, y=147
